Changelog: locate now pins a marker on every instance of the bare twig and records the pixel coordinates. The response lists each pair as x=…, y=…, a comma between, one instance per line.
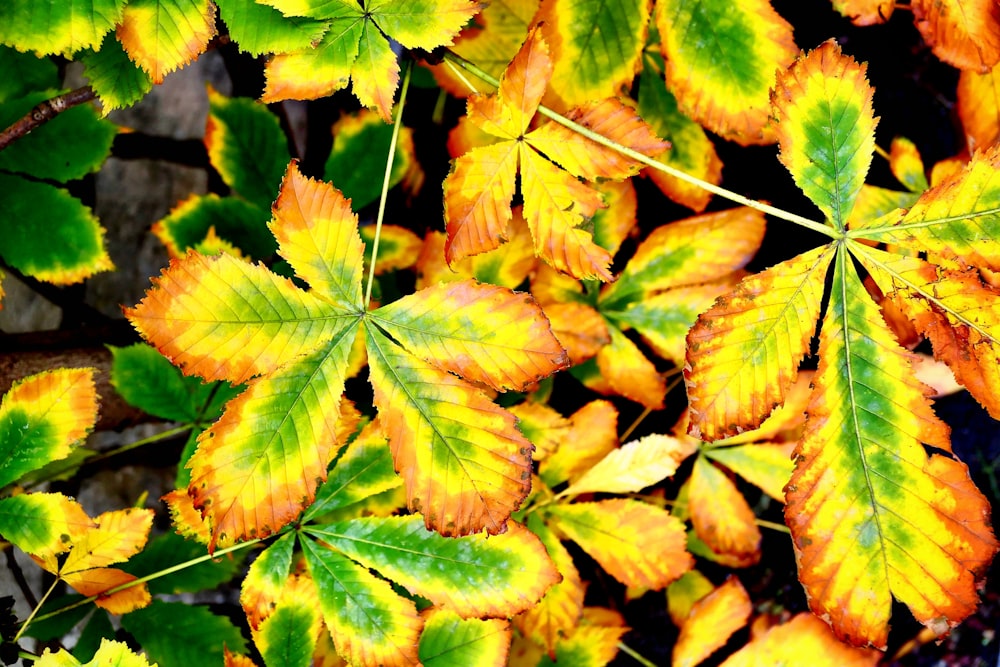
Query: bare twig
x=22, y=583
x=44, y=112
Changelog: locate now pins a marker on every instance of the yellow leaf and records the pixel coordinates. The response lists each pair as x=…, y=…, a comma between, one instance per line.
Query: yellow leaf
x=713, y=619
x=865, y=12
x=696, y=36
x=579, y=328
x=804, y=635
x=558, y=614
x=743, y=353
x=634, y=466
x=684, y=593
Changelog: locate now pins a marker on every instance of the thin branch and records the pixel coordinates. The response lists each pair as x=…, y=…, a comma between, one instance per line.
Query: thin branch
x=18, y=574
x=385, y=180
x=44, y=112
x=826, y=230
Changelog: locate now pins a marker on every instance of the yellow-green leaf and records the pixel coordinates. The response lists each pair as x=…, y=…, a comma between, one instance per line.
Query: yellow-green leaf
x=873, y=514
x=42, y=523
x=465, y=464
x=958, y=219
x=42, y=417
x=61, y=28
x=110, y=653
x=370, y=623
x=441, y=324
x=721, y=58
x=595, y=46
x=826, y=128
x=451, y=641
x=743, y=353
x=474, y=576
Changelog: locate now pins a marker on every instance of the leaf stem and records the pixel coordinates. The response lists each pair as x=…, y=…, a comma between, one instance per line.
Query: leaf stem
x=625, y=648
x=385, y=180
x=654, y=164
x=34, y=612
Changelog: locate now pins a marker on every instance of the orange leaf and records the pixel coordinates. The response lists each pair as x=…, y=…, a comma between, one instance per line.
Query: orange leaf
x=630, y=373
x=96, y=581
x=865, y=12
x=477, y=195
x=163, y=36
x=978, y=97
x=555, y=204
x=721, y=516
x=638, y=544
x=593, y=433
x=804, y=635
x=579, y=328
x=962, y=33
x=712, y=621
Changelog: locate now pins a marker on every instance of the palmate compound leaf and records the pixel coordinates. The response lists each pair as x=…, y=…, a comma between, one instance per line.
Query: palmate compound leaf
x=479, y=189
x=259, y=465
x=873, y=514
x=355, y=46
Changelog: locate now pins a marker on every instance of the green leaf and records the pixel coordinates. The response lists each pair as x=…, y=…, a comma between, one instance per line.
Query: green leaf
x=246, y=145
x=80, y=139
x=240, y=222
x=24, y=72
x=369, y=622
x=177, y=634
x=449, y=640
x=33, y=214
x=259, y=29
x=148, y=381
x=496, y=576
x=97, y=629
x=826, y=128
x=265, y=578
x=286, y=637
x=57, y=27
x=357, y=162
x=364, y=469
x=171, y=549
x=118, y=82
